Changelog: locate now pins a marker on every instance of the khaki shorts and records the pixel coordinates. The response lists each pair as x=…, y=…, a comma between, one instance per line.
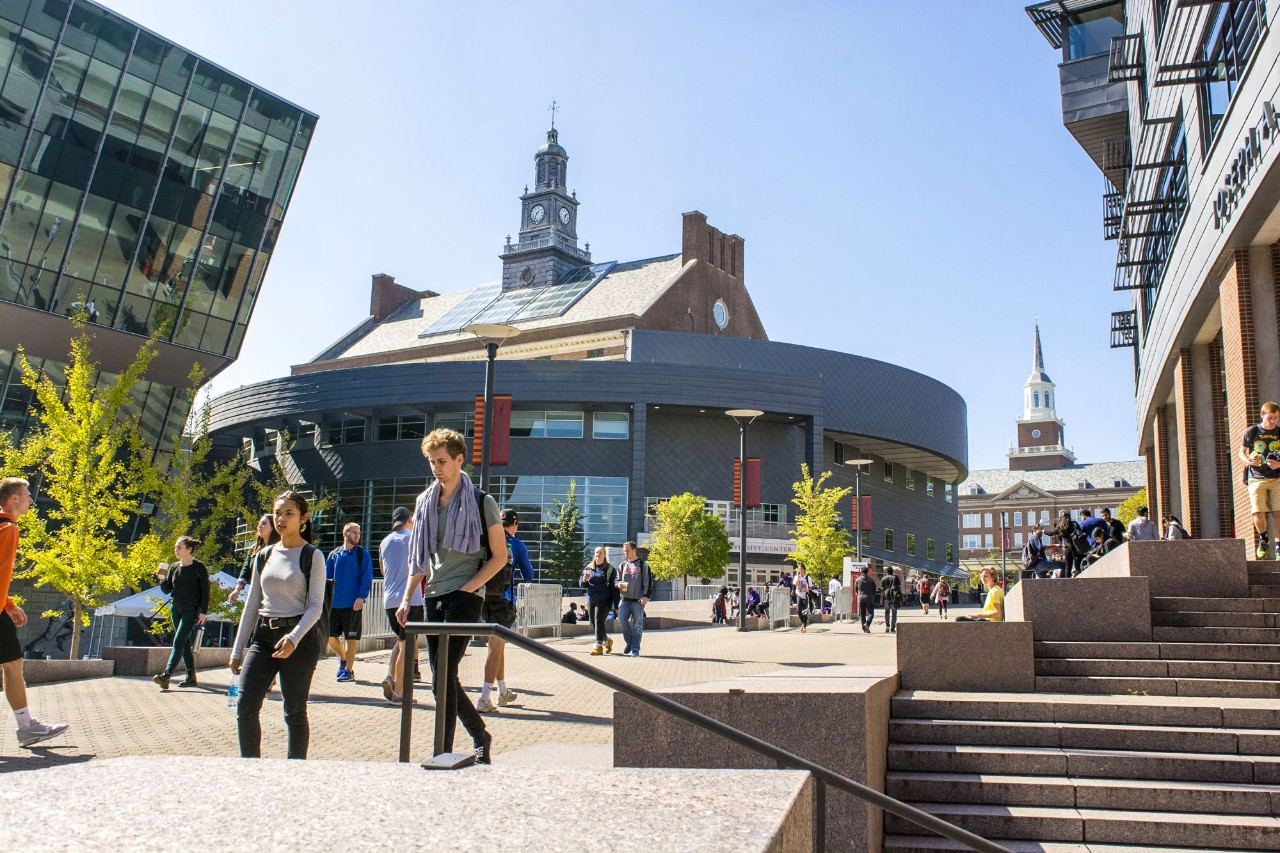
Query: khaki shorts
x=1264, y=495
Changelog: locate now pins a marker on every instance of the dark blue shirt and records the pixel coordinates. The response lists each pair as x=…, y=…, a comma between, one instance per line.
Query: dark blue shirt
x=1091, y=522
x=352, y=575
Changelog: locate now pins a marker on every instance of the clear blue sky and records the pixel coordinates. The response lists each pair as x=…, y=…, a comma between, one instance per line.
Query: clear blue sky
x=899, y=171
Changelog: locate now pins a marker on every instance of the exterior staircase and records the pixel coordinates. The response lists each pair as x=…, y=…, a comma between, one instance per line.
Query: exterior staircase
x=1172, y=744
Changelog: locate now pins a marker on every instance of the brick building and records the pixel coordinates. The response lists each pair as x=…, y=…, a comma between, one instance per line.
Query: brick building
x=1043, y=479
x=619, y=378
x=1176, y=104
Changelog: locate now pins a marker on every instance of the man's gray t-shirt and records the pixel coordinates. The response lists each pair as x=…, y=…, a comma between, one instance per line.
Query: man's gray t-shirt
x=451, y=569
x=393, y=555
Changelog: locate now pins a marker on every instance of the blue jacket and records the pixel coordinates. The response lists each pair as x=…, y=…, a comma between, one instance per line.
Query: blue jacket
x=351, y=573
x=520, y=559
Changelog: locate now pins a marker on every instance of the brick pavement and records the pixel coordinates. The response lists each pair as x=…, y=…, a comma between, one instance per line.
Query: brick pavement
x=113, y=717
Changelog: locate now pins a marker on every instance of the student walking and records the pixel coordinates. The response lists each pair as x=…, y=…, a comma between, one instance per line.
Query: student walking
x=926, y=589
x=803, y=587
x=941, y=596
x=600, y=579
x=500, y=609
x=266, y=535
x=351, y=569
x=866, y=591
x=1260, y=452
x=187, y=581
x=15, y=499
x=277, y=635
x=636, y=588
x=393, y=558
x=891, y=599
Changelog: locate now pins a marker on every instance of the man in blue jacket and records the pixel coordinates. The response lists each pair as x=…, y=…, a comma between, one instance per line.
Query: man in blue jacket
x=500, y=608
x=350, y=568
x=635, y=582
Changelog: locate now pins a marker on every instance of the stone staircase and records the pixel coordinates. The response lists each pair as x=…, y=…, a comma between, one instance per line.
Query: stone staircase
x=1166, y=744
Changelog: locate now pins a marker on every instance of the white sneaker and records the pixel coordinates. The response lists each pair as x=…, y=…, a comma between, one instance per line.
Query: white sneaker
x=39, y=732
x=506, y=697
x=486, y=706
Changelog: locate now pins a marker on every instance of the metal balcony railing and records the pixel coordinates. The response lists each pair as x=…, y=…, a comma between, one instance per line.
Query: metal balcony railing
x=785, y=760
x=1124, y=329
x=1128, y=60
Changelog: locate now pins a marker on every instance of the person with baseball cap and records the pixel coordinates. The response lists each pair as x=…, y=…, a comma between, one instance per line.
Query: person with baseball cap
x=393, y=556
x=500, y=608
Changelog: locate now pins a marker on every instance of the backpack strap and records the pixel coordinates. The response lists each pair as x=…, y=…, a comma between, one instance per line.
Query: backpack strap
x=480, y=494
x=304, y=561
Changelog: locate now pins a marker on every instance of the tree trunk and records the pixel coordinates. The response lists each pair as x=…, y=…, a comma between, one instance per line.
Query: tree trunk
x=75, y=629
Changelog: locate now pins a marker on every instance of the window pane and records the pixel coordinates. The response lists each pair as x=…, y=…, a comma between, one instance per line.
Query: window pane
x=610, y=425
x=564, y=424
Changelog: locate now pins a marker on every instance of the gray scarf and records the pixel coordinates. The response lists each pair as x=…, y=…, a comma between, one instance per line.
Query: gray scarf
x=463, y=528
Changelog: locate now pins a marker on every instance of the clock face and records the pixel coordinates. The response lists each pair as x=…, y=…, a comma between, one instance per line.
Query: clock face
x=1035, y=433
x=538, y=213
x=720, y=313
x=564, y=216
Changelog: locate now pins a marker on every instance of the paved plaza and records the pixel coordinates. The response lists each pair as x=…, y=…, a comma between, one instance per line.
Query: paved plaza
x=113, y=717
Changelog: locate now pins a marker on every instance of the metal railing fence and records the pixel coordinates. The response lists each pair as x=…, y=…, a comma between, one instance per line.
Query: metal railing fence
x=538, y=606
x=842, y=604
x=373, y=619
x=785, y=760
x=701, y=591
x=779, y=607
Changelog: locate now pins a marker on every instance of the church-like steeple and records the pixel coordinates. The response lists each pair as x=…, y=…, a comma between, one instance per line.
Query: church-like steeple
x=546, y=250
x=1040, y=430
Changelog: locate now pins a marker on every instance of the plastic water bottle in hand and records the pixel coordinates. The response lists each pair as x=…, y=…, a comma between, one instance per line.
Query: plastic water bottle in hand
x=233, y=693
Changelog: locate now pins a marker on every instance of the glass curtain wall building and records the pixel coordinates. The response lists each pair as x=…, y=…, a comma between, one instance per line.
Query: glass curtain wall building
x=143, y=188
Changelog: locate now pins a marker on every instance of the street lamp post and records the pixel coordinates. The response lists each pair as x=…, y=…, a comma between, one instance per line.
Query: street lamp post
x=744, y=417
x=493, y=335
x=857, y=502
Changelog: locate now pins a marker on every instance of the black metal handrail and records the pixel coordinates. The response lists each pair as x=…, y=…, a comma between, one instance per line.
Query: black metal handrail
x=785, y=760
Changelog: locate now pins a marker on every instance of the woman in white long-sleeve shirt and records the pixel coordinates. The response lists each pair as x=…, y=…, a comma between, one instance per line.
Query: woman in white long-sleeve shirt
x=277, y=625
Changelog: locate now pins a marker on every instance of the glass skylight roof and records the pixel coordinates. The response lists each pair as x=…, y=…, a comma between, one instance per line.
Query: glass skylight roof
x=488, y=304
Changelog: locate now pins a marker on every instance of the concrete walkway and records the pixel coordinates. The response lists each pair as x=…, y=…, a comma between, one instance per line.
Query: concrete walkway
x=114, y=717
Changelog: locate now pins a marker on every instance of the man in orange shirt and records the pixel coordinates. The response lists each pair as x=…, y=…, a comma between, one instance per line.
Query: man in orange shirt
x=15, y=499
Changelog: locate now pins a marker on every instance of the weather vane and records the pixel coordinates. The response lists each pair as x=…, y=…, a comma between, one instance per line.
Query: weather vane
x=552, y=109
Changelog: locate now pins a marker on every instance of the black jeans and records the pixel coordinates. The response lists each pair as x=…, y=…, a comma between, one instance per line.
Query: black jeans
x=599, y=616
x=256, y=675
x=866, y=610
x=455, y=607
x=804, y=608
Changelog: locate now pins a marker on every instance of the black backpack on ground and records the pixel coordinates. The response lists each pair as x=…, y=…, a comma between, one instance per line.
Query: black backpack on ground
x=304, y=562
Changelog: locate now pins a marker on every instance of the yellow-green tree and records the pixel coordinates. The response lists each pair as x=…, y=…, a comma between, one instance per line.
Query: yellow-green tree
x=1128, y=510
x=91, y=469
x=564, y=555
x=687, y=540
x=821, y=543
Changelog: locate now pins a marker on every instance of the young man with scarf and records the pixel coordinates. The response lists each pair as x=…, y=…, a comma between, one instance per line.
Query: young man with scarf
x=447, y=546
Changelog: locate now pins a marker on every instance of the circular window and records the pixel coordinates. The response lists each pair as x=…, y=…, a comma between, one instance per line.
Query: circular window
x=1035, y=433
x=720, y=313
x=527, y=276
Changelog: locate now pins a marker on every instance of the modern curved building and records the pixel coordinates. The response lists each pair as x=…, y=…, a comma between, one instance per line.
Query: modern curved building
x=619, y=378
x=1177, y=104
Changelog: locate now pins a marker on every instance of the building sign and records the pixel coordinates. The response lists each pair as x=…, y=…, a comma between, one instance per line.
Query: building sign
x=1245, y=165
x=754, y=546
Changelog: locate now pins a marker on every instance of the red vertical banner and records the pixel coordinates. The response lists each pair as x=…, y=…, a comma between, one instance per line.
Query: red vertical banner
x=500, y=434
x=1006, y=536
x=864, y=517
x=478, y=436
x=853, y=520
x=737, y=482
x=753, y=481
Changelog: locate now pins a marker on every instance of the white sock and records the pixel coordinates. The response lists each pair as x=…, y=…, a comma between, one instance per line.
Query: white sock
x=485, y=691
x=502, y=686
x=23, y=716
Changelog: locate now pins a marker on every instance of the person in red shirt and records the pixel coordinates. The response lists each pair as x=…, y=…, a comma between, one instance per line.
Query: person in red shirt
x=15, y=499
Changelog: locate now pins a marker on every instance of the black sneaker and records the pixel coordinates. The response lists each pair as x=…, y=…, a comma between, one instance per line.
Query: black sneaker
x=1260, y=550
x=162, y=679
x=189, y=681
x=484, y=749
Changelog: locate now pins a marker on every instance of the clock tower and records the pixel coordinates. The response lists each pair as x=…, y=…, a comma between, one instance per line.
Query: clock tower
x=547, y=247
x=1040, y=431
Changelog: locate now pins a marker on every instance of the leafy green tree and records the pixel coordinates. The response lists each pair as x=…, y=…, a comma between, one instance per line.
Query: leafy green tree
x=92, y=469
x=821, y=543
x=564, y=559
x=1128, y=510
x=687, y=540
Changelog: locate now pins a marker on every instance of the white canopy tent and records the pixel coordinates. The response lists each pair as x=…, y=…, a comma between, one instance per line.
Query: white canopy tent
x=110, y=621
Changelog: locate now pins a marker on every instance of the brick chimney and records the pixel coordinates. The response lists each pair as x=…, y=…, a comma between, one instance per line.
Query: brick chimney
x=703, y=242
x=386, y=296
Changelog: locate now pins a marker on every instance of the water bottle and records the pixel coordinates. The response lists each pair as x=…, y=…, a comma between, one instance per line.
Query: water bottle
x=233, y=693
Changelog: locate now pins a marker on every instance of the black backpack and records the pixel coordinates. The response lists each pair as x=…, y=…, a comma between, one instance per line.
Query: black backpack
x=1029, y=557
x=321, y=628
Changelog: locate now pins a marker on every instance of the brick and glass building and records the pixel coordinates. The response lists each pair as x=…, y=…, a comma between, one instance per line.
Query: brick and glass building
x=144, y=188
x=1176, y=103
x=619, y=378
x=1000, y=507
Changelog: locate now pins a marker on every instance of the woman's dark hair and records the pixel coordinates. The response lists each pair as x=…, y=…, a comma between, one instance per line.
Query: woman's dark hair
x=189, y=542
x=308, y=529
x=272, y=538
